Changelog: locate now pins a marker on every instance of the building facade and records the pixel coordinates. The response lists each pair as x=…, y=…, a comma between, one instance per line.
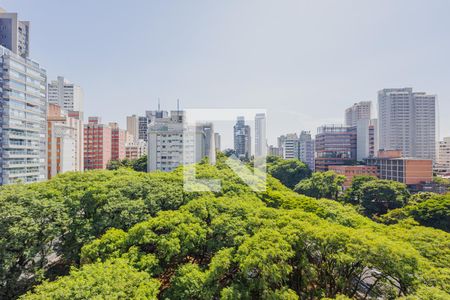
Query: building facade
x=133, y=127
x=410, y=171
x=443, y=160
x=242, y=139
x=67, y=95
x=97, y=144
x=367, y=138
x=351, y=172
x=23, y=155
x=63, y=144
x=171, y=143
x=217, y=141
x=306, y=146
x=14, y=34
x=407, y=122
x=118, y=141
x=136, y=150
x=260, y=135
x=290, y=146
x=335, y=146
x=359, y=111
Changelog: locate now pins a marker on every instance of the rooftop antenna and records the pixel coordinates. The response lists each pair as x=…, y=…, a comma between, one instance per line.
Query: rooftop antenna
x=178, y=105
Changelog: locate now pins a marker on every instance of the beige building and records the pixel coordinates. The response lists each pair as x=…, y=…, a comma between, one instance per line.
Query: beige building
x=64, y=137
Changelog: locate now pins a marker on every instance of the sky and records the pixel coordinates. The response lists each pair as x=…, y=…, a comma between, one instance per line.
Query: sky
x=304, y=62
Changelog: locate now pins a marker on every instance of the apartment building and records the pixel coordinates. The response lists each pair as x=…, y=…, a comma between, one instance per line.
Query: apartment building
x=351, y=172
x=97, y=144
x=336, y=145
x=306, y=149
x=359, y=111
x=407, y=122
x=118, y=141
x=260, y=135
x=442, y=166
x=63, y=142
x=172, y=143
x=67, y=95
x=136, y=150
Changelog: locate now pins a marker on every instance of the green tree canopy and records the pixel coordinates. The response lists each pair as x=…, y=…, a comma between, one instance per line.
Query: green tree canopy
x=321, y=185
x=288, y=171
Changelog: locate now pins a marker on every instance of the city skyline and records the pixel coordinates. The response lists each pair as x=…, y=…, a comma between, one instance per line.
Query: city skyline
x=198, y=59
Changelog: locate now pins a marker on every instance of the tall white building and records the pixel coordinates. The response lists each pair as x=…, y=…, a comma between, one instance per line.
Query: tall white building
x=14, y=34
x=407, y=122
x=217, y=141
x=23, y=114
x=290, y=146
x=260, y=135
x=306, y=149
x=171, y=143
x=67, y=95
x=359, y=111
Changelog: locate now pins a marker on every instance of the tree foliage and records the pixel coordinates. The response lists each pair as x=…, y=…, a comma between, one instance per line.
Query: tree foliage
x=140, y=235
x=288, y=171
x=321, y=185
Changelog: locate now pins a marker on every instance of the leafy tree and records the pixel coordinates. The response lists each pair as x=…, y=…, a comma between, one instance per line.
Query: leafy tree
x=140, y=164
x=353, y=194
x=321, y=185
x=380, y=196
x=289, y=171
x=114, y=279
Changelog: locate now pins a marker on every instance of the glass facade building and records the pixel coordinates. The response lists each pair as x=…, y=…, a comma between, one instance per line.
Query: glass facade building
x=23, y=111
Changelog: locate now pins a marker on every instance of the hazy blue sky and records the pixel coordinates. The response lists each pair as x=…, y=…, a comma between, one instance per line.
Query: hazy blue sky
x=303, y=61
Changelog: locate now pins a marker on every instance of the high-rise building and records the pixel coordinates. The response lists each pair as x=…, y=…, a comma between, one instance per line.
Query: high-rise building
x=367, y=138
x=143, y=128
x=290, y=146
x=217, y=141
x=335, y=146
x=274, y=151
x=23, y=106
x=23, y=117
x=407, y=122
x=260, y=135
x=171, y=143
x=443, y=160
x=97, y=144
x=14, y=34
x=63, y=150
x=67, y=95
x=133, y=127
x=118, y=141
x=79, y=137
x=306, y=149
x=280, y=143
x=360, y=110
x=242, y=139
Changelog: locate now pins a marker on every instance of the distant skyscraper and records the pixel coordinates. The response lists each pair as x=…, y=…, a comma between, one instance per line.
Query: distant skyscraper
x=367, y=138
x=14, y=34
x=97, y=144
x=280, y=143
x=335, y=146
x=407, y=122
x=360, y=110
x=23, y=101
x=143, y=128
x=67, y=95
x=217, y=141
x=242, y=139
x=306, y=149
x=133, y=127
x=260, y=135
x=290, y=146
